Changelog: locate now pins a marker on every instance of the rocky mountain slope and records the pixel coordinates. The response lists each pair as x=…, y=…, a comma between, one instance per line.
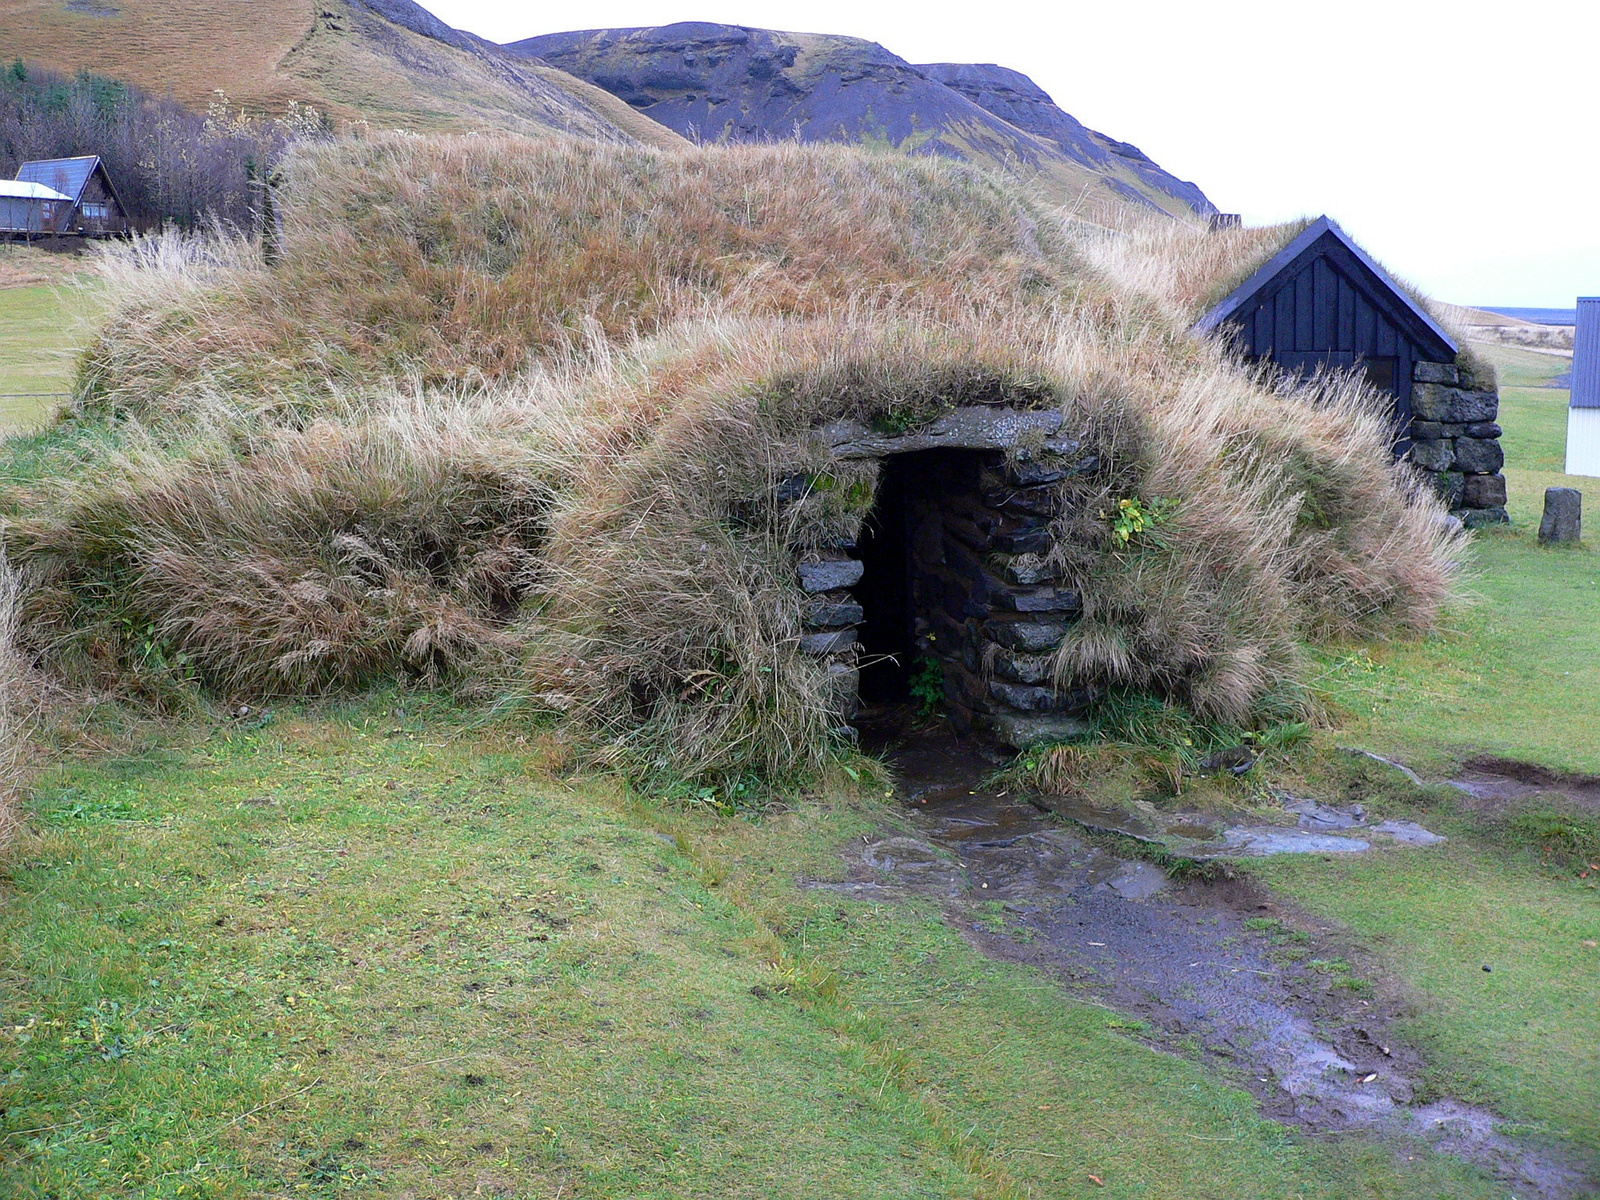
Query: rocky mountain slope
x=389, y=62
x=711, y=82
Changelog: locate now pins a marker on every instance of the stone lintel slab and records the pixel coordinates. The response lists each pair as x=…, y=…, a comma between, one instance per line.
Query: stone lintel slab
x=977, y=427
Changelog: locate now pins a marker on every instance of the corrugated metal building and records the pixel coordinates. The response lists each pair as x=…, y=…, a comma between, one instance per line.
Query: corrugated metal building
x=1583, y=413
x=96, y=207
x=32, y=210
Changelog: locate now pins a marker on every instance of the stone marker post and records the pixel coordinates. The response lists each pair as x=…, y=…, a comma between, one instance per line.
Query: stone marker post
x=1563, y=516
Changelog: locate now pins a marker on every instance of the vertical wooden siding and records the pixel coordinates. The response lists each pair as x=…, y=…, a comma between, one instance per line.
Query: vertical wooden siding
x=1318, y=310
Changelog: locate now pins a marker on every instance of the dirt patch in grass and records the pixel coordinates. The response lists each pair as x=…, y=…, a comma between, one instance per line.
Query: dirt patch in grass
x=1490, y=781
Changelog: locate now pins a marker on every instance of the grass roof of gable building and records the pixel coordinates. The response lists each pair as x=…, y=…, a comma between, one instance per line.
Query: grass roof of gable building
x=1182, y=268
x=608, y=361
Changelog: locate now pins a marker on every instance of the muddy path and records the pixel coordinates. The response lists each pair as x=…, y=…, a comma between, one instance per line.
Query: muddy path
x=1216, y=968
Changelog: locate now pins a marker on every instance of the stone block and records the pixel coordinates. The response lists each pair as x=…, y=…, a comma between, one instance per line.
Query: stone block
x=1563, y=516
x=1028, y=540
x=1433, y=372
x=1449, y=485
x=1482, y=429
x=1426, y=431
x=1433, y=456
x=823, y=575
x=844, y=687
x=1024, y=733
x=1034, y=470
x=831, y=614
x=828, y=643
x=1021, y=668
x=1439, y=402
x=1033, y=501
x=1028, y=698
x=795, y=487
x=963, y=687
x=1483, y=491
x=1478, y=456
x=1478, y=518
x=1478, y=406
x=1030, y=637
x=977, y=427
x=1033, y=599
x=1026, y=569
x=967, y=532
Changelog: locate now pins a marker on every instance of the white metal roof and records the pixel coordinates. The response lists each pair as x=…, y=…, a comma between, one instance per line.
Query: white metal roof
x=24, y=190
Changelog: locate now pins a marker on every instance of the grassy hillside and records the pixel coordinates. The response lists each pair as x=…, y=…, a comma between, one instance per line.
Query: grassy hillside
x=339, y=56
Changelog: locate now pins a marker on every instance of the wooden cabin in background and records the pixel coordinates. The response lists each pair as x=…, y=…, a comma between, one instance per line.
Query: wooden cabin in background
x=97, y=210
x=1321, y=303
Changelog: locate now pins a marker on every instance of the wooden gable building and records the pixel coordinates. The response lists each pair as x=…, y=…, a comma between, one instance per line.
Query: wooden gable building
x=1322, y=303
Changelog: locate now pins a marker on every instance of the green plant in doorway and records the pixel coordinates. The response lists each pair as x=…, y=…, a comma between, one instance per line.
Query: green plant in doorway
x=927, y=686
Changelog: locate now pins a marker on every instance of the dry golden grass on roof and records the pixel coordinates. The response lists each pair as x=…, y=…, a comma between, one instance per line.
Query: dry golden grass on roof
x=608, y=362
x=459, y=258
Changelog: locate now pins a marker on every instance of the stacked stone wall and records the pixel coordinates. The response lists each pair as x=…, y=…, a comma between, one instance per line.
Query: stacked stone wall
x=1455, y=440
x=983, y=600
x=989, y=609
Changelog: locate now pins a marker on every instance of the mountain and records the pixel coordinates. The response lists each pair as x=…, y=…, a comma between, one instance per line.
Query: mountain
x=713, y=82
x=1013, y=97
x=389, y=62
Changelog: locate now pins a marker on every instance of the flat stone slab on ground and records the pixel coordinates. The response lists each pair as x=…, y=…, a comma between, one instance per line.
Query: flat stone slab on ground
x=1258, y=841
x=1407, y=833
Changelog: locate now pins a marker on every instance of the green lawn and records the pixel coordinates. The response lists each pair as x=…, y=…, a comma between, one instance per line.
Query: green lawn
x=41, y=331
x=360, y=952
x=1516, y=672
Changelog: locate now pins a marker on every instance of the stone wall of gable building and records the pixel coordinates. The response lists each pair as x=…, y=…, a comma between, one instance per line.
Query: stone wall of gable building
x=1455, y=441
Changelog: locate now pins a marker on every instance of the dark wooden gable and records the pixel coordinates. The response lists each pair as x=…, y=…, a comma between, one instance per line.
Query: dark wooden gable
x=1321, y=301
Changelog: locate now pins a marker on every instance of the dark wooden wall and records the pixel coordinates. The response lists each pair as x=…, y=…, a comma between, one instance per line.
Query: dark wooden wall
x=96, y=191
x=1319, y=312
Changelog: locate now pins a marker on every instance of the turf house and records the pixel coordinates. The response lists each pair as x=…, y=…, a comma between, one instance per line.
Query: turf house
x=695, y=451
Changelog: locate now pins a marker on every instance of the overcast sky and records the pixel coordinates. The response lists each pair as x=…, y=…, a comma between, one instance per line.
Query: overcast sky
x=1456, y=141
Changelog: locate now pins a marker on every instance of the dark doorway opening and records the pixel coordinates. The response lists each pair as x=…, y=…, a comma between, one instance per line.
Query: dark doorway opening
x=905, y=594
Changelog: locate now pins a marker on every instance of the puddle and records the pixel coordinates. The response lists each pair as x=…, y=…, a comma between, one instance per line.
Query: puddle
x=1319, y=829
x=1179, y=955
